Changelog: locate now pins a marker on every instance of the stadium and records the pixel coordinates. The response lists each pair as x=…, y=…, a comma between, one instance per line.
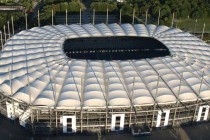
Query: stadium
x=107, y=77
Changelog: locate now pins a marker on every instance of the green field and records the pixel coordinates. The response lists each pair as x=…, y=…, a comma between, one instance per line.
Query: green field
x=189, y=25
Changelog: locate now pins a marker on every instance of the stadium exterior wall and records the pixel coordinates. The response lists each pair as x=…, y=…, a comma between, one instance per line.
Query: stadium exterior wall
x=45, y=120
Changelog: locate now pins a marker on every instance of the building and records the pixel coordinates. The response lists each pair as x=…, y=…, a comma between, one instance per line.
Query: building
x=45, y=83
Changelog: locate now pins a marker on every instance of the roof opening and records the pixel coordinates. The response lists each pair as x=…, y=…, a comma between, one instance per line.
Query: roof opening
x=114, y=48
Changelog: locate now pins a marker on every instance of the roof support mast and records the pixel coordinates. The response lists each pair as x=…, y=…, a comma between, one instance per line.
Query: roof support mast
x=2, y=45
x=5, y=34
x=195, y=26
x=107, y=15
x=13, y=30
x=80, y=16
x=94, y=16
x=81, y=102
x=133, y=20
x=124, y=85
x=8, y=28
x=203, y=30
x=133, y=89
x=26, y=20
x=172, y=22
x=177, y=103
x=146, y=17
x=146, y=86
x=168, y=86
x=38, y=18
x=206, y=66
x=106, y=86
x=120, y=15
x=66, y=17
x=159, y=17
x=181, y=76
x=52, y=17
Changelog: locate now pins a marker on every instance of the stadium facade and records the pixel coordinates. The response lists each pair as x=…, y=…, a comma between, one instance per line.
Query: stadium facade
x=46, y=89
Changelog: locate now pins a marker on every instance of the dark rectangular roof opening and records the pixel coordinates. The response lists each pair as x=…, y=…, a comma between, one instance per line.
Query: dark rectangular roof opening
x=114, y=48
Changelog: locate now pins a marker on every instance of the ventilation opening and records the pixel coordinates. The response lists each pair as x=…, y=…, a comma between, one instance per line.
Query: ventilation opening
x=69, y=125
x=114, y=48
x=117, y=124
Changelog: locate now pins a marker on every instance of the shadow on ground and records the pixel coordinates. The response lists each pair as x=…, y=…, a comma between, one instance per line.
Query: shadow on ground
x=13, y=131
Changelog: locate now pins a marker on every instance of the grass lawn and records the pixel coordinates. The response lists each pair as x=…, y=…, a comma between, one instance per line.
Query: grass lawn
x=189, y=25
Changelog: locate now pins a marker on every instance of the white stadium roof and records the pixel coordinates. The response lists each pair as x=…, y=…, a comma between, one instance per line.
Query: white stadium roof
x=41, y=73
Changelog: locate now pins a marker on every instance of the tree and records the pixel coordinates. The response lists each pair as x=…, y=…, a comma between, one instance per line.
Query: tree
x=165, y=14
x=2, y=19
x=102, y=6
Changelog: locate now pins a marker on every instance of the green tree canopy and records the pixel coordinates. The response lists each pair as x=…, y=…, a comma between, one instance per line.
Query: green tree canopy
x=102, y=6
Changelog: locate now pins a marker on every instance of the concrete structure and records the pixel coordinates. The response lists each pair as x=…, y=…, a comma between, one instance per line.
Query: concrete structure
x=41, y=86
